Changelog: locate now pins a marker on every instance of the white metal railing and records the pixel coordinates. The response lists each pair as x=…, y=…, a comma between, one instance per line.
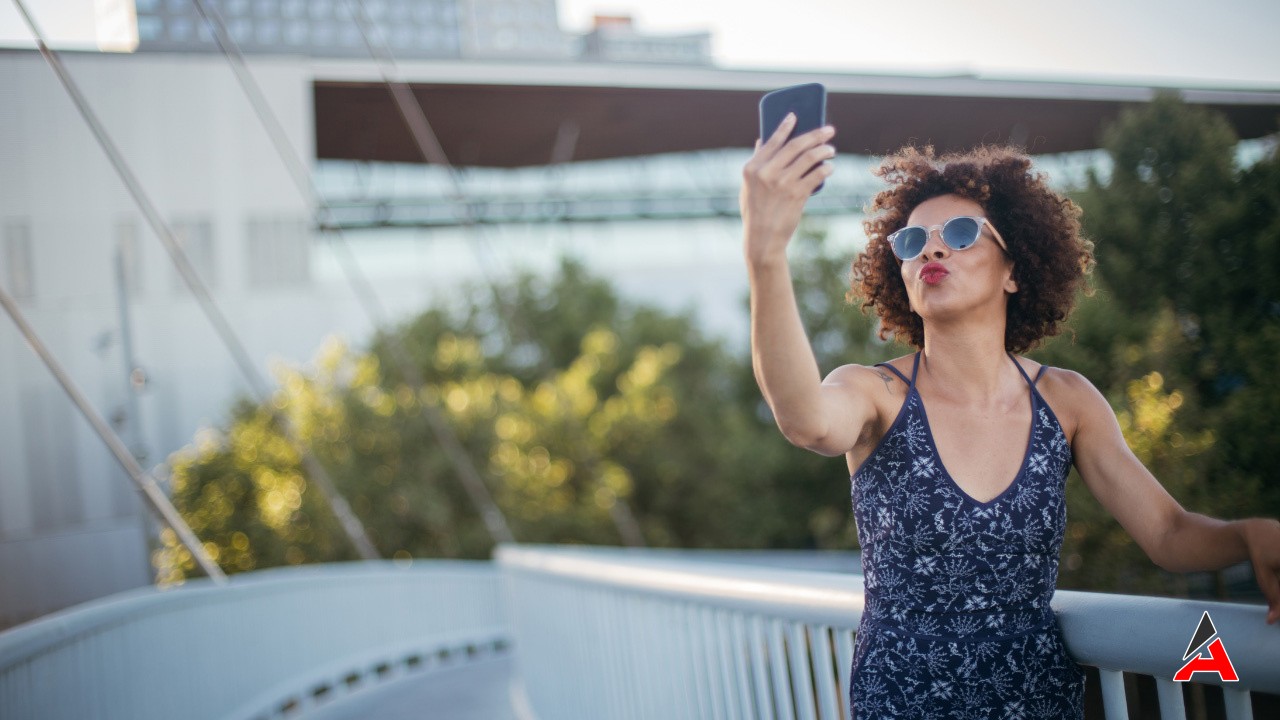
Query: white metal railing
x=255, y=648
x=619, y=633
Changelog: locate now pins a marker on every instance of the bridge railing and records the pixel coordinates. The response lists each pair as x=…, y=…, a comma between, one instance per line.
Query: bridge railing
x=268, y=644
x=617, y=633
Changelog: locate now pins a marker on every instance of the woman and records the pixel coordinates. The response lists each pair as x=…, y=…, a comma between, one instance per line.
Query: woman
x=960, y=510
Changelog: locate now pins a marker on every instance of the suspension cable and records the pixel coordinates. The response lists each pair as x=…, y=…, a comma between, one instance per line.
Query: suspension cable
x=145, y=484
x=350, y=523
x=495, y=522
x=429, y=148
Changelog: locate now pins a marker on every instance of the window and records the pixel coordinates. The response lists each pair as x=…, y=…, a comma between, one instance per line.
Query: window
x=279, y=253
x=47, y=429
x=19, y=277
x=298, y=32
x=267, y=8
x=195, y=237
x=322, y=34
x=130, y=256
x=321, y=9
x=241, y=31
x=180, y=28
x=150, y=28
x=268, y=32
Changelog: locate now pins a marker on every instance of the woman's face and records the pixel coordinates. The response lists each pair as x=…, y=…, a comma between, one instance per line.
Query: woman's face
x=943, y=283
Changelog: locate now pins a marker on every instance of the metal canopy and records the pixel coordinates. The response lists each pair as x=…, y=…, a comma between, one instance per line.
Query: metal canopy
x=509, y=115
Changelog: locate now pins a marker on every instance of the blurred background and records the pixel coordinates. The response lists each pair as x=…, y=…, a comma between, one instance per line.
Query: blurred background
x=485, y=256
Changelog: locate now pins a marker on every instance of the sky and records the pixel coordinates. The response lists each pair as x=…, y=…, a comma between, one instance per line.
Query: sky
x=1228, y=43
x=1213, y=41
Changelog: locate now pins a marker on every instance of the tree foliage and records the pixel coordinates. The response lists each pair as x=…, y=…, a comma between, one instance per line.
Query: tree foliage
x=592, y=420
x=1181, y=329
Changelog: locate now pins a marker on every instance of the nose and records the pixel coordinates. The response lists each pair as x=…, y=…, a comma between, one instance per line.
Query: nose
x=934, y=249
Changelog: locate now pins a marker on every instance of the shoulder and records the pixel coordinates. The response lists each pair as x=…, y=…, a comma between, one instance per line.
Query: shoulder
x=879, y=392
x=872, y=376
x=859, y=376
x=1074, y=399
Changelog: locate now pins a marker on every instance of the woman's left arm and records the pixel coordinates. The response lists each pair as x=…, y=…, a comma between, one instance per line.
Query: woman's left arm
x=1174, y=539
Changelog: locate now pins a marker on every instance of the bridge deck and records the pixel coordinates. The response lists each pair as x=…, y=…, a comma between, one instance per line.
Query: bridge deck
x=478, y=690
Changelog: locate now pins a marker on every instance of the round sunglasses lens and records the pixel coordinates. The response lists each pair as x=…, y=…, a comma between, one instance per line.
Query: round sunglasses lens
x=959, y=233
x=909, y=242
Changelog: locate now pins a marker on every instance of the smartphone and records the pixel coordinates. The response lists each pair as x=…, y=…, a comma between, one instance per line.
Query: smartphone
x=807, y=101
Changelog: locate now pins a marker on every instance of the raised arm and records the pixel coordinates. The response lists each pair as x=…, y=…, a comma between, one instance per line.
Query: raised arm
x=828, y=417
x=1174, y=539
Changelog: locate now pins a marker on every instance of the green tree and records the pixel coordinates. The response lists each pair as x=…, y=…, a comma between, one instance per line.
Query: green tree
x=1184, y=321
x=592, y=420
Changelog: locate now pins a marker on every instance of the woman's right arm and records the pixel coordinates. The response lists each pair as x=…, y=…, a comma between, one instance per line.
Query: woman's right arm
x=825, y=417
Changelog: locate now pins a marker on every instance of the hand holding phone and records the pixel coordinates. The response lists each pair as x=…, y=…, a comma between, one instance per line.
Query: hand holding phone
x=808, y=102
x=784, y=171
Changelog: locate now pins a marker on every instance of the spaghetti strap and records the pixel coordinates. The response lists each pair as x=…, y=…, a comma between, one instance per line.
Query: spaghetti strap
x=1025, y=376
x=893, y=370
x=910, y=382
x=1039, y=375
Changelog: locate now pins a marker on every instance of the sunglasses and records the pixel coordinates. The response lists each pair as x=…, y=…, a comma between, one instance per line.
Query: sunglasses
x=959, y=233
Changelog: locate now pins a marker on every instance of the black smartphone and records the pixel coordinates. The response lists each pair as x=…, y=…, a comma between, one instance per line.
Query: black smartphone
x=807, y=101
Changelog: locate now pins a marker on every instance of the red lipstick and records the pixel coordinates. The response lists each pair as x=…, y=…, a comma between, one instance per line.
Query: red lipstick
x=933, y=273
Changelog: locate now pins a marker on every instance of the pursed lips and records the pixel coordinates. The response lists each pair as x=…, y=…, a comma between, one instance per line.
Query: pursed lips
x=933, y=273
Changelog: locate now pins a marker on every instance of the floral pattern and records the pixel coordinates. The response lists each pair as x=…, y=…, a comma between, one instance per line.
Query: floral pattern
x=957, y=622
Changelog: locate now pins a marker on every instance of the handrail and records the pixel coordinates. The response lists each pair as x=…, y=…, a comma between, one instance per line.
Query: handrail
x=645, y=636
x=199, y=650
x=600, y=632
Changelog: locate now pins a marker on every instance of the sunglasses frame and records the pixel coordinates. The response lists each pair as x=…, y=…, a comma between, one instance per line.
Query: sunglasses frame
x=942, y=234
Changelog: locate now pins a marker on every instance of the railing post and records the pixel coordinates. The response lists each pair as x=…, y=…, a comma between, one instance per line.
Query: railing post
x=1238, y=704
x=1114, y=702
x=1171, y=705
x=781, y=681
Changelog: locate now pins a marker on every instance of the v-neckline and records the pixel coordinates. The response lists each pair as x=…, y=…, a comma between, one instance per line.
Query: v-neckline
x=937, y=454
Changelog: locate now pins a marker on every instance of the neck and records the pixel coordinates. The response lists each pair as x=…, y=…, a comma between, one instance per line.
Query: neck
x=967, y=364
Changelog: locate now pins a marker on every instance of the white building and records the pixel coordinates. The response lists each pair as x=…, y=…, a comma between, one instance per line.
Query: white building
x=71, y=528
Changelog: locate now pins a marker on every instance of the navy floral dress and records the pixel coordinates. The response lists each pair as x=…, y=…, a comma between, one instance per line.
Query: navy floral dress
x=957, y=622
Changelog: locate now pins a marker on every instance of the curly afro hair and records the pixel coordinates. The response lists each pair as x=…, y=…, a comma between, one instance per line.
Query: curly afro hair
x=1041, y=227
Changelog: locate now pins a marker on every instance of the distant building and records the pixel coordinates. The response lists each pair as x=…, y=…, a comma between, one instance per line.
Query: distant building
x=511, y=29
x=614, y=39
x=412, y=29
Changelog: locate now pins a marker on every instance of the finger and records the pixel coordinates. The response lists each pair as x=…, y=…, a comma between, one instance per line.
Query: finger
x=810, y=159
x=802, y=144
x=817, y=176
x=780, y=135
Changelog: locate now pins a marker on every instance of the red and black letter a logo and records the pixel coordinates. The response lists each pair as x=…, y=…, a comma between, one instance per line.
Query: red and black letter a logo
x=1213, y=659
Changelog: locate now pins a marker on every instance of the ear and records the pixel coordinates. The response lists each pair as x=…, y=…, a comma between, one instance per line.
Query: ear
x=1010, y=285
